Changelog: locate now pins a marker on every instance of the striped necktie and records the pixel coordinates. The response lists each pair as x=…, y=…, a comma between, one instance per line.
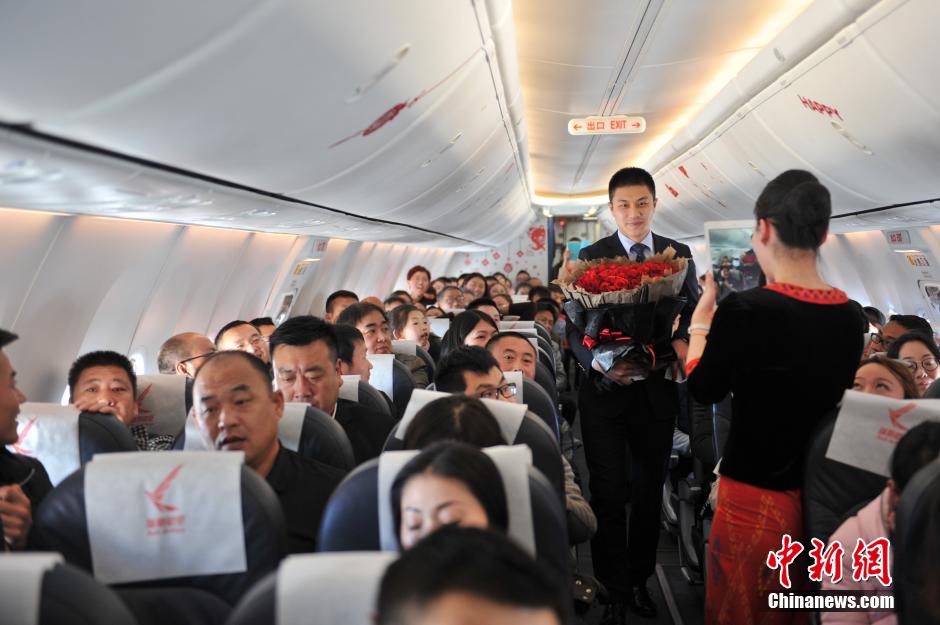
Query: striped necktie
x=639, y=252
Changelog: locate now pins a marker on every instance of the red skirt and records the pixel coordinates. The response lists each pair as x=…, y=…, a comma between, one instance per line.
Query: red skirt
x=750, y=523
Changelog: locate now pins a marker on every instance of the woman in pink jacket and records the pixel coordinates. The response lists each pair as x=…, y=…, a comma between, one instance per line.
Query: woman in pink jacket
x=917, y=448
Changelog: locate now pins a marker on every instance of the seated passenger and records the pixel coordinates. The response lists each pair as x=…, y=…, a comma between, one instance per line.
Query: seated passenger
x=558, y=296
x=497, y=288
x=486, y=306
x=419, y=280
x=546, y=315
x=409, y=323
x=917, y=448
x=184, y=353
x=265, y=325
x=371, y=321
x=392, y=302
x=437, y=284
x=433, y=312
x=534, y=282
x=897, y=326
x=448, y=483
x=522, y=277
x=887, y=377
x=523, y=289
x=496, y=583
x=307, y=370
x=514, y=352
x=241, y=336
x=23, y=480
x=450, y=299
x=472, y=371
x=104, y=382
x=921, y=355
x=457, y=418
x=875, y=317
x=470, y=327
x=351, y=351
x=237, y=410
x=337, y=302
x=539, y=293
x=467, y=419
x=476, y=284
x=467, y=296
x=503, y=301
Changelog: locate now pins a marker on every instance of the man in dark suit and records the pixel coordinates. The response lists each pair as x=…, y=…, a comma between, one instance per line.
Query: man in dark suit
x=617, y=412
x=304, y=351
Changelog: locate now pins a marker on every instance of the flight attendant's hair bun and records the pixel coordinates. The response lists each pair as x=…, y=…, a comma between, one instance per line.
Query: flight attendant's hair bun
x=798, y=206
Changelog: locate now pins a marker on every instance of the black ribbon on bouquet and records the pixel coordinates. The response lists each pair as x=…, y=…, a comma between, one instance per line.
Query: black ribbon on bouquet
x=640, y=333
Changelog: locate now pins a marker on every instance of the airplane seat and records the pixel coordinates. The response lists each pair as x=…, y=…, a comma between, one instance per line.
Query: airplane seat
x=63, y=439
x=145, y=549
x=358, y=515
x=424, y=355
x=356, y=390
x=435, y=349
x=314, y=434
x=403, y=384
x=163, y=402
x=546, y=359
x=304, y=429
x=542, y=332
x=40, y=589
x=540, y=402
x=517, y=429
x=832, y=490
x=933, y=391
x=916, y=549
x=337, y=587
x=546, y=379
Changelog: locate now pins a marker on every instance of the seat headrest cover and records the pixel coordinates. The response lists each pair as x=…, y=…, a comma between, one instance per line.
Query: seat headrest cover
x=161, y=402
x=513, y=463
x=439, y=325
x=869, y=426
x=157, y=515
x=509, y=416
x=516, y=377
x=335, y=587
x=516, y=326
x=291, y=425
x=381, y=376
x=350, y=388
x=49, y=433
x=402, y=346
x=21, y=590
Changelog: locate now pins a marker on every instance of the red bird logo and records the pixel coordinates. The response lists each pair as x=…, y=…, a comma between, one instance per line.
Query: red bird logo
x=895, y=416
x=143, y=415
x=156, y=497
x=18, y=445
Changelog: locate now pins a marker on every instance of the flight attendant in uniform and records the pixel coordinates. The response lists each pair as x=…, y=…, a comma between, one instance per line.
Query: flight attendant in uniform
x=617, y=414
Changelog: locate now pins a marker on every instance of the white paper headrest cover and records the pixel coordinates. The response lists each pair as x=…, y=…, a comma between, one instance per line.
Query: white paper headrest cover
x=350, y=388
x=291, y=425
x=382, y=376
x=21, y=590
x=156, y=515
x=340, y=588
x=49, y=433
x=162, y=403
x=869, y=426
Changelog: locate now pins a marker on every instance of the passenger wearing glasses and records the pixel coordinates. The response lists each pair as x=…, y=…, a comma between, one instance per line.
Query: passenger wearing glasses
x=920, y=354
x=241, y=336
x=473, y=371
x=184, y=353
x=897, y=326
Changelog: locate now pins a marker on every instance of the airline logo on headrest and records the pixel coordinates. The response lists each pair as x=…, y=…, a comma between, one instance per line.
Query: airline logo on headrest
x=164, y=524
x=144, y=416
x=897, y=429
x=24, y=433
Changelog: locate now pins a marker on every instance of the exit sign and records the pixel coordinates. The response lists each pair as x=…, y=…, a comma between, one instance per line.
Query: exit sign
x=610, y=125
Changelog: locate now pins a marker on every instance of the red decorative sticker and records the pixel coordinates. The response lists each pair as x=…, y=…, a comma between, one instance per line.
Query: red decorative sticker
x=537, y=236
x=684, y=172
x=673, y=191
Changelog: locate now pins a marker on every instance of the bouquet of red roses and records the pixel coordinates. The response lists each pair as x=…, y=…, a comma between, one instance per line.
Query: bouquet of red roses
x=626, y=309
